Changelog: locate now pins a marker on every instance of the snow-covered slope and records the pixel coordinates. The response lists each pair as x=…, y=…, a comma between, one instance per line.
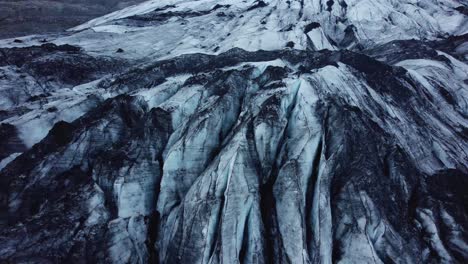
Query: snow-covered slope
x=239, y=132
x=210, y=26
x=170, y=27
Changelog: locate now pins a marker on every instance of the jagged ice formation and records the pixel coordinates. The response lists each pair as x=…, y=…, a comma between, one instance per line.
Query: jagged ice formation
x=239, y=132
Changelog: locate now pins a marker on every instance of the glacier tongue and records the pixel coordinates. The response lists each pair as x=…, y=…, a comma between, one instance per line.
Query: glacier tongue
x=249, y=131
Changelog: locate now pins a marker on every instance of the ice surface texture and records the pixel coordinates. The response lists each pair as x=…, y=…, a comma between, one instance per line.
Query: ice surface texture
x=239, y=132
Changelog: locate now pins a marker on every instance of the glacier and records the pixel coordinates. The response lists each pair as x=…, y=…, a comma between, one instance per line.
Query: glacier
x=274, y=131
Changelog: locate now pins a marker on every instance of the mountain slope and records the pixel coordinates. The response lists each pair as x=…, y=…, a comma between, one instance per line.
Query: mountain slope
x=25, y=17
x=227, y=132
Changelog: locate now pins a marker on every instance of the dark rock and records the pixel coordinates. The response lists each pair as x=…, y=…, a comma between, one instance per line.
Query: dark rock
x=258, y=4
x=462, y=9
x=311, y=26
